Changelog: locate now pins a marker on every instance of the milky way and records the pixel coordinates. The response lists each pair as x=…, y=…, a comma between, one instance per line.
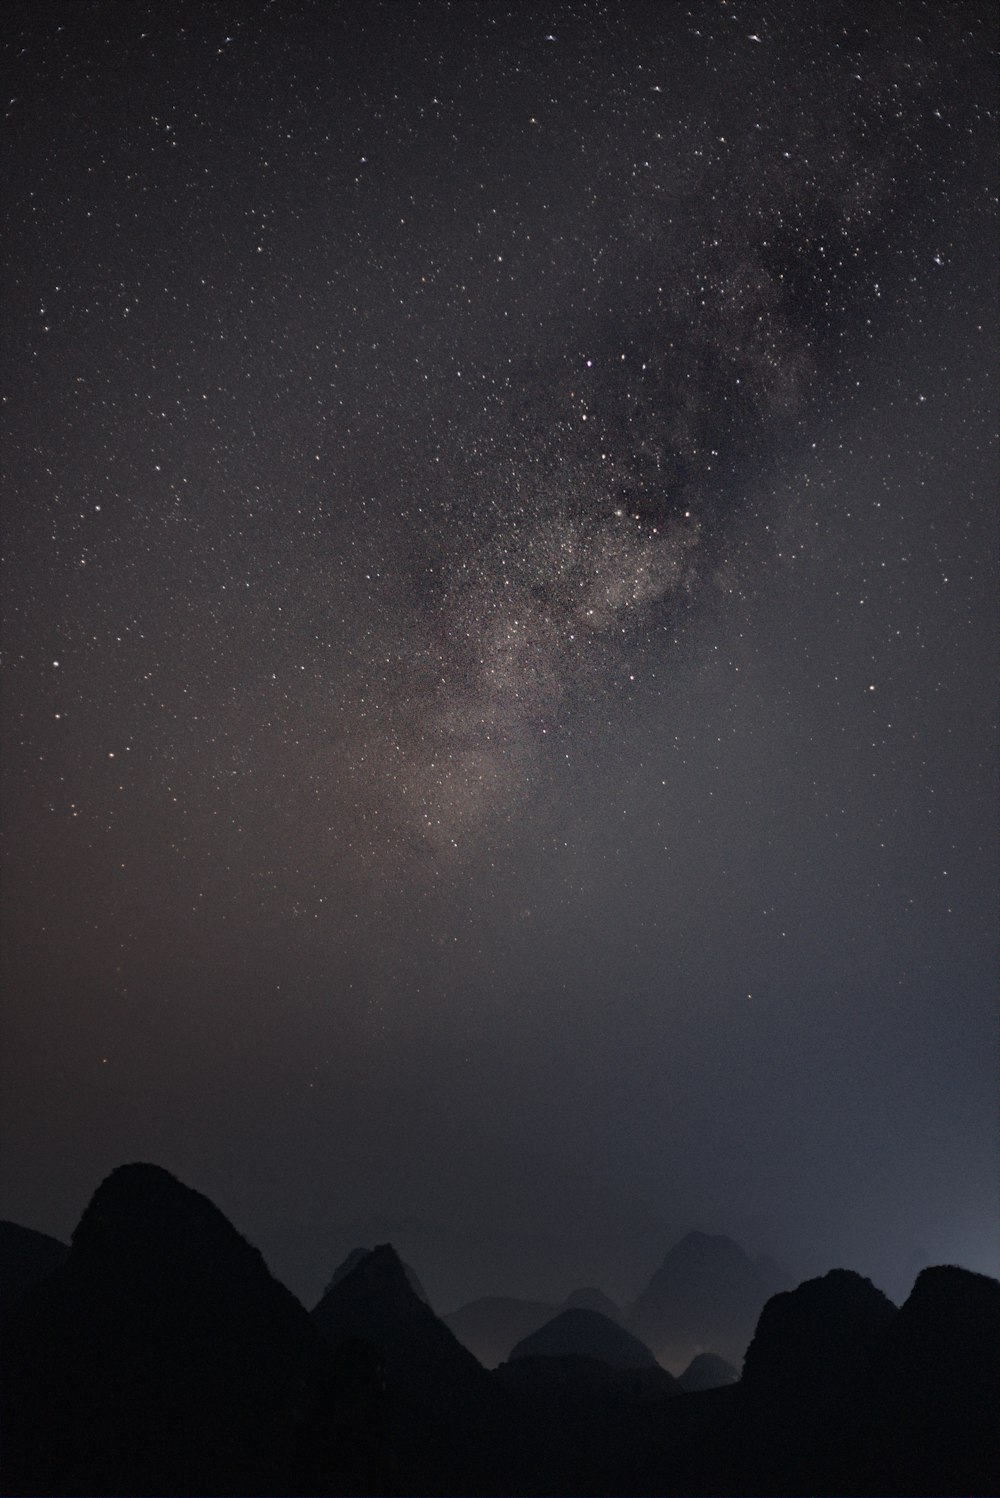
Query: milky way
x=500, y=552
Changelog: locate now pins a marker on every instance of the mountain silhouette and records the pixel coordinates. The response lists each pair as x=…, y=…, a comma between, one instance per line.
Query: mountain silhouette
x=843, y=1393
x=705, y=1296
x=161, y=1356
x=933, y=1405
x=445, y=1425
x=816, y=1341
x=25, y=1258
x=582, y=1333
x=805, y=1378
x=375, y=1300
x=355, y=1257
x=158, y=1354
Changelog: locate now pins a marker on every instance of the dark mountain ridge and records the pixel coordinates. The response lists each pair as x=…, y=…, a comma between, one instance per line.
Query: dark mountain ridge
x=160, y=1355
x=162, y=1346
x=443, y=1422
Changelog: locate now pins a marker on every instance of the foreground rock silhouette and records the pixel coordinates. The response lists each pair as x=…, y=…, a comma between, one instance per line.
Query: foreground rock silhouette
x=805, y=1380
x=933, y=1409
x=161, y=1356
x=841, y=1393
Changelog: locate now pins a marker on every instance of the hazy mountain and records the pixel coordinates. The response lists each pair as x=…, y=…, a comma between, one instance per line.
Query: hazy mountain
x=491, y=1326
x=25, y=1258
x=161, y=1356
x=590, y=1299
x=707, y=1371
x=706, y=1296
x=582, y=1333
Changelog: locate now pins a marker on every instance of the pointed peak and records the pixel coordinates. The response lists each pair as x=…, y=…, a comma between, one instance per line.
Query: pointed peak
x=384, y=1262
x=373, y=1271
x=377, y=1302
x=346, y=1266
x=379, y=1266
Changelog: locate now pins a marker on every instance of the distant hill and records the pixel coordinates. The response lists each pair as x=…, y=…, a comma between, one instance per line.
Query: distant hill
x=590, y=1299
x=491, y=1327
x=705, y=1296
x=707, y=1371
x=578, y=1332
x=25, y=1258
x=160, y=1356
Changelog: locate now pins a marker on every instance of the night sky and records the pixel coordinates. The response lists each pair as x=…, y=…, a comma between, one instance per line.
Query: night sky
x=500, y=541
